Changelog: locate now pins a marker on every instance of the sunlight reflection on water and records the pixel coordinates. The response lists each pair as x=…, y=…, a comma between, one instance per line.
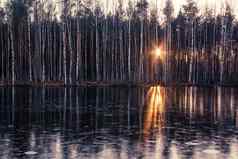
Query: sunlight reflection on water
x=155, y=111
x=119, y=123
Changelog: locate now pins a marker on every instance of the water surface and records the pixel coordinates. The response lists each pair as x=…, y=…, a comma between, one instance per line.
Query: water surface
x=119, y=123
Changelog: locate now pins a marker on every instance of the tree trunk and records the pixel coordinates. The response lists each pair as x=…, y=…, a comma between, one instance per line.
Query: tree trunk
x=79, y=55
x=12, y=55
x=129, y=51
x=97, y=53
x=71, y=52
x=64, y=53
x=29, y=49
x=141, y=72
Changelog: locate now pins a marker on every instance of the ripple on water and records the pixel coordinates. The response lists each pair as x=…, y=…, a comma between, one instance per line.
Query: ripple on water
x=211, y=151
x=30, y=153
x=193, y=143
x=4, y=140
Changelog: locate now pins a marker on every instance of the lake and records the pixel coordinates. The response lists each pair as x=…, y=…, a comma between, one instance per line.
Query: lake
x=119, y=122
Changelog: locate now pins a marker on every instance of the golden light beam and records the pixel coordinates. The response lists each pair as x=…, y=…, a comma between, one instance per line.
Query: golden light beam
x=155, y=108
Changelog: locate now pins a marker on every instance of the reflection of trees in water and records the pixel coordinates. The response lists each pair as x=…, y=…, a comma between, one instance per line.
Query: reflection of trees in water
x=119, y=104
x=203, y=111
x=213, y=104
x=154, y=122
x=108, y=120
x=237, y=118
x=154, y=109
x=89, y=114
x=67, y=106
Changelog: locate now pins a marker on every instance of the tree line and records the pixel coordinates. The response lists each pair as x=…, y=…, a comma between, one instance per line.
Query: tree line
x=87, y=45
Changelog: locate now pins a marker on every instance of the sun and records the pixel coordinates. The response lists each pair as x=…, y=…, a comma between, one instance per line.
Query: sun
x=158, y=53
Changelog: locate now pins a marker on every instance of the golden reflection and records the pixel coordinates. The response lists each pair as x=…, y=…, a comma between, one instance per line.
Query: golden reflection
x=73, y=151
x=237, y=118
x=233, y=149
x=174, y=152
x=56, y=147
x=155, y=108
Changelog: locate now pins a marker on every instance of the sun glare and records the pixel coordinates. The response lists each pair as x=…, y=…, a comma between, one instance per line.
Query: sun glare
x=158, y=53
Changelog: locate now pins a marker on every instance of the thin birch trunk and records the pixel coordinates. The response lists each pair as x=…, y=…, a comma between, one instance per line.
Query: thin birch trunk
x=12, y=55
x=129, y=50
x=71, y=52
x=79, y=55
x=97, y=52
x=43, y=53
x=29, y=49
x=141, y=52
x=64, y=53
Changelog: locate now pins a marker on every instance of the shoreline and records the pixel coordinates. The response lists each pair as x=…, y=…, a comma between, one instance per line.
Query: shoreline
x=109, y=84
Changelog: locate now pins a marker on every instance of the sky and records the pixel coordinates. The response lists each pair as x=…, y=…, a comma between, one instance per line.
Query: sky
x=218, y=4
x=202, y=4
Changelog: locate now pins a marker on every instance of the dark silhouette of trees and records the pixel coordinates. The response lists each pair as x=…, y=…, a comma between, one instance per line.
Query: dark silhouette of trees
x=168, y=12
x=84, y=44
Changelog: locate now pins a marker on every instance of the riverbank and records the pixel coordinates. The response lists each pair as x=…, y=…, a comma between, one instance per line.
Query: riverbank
x=107, y=83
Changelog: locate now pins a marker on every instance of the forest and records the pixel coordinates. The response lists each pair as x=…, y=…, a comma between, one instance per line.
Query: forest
x=82, y=44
